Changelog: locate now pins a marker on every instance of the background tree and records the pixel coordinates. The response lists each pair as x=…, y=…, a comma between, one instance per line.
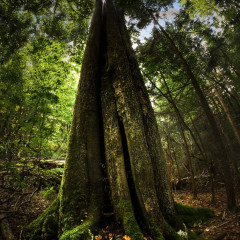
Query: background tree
x=195, y=65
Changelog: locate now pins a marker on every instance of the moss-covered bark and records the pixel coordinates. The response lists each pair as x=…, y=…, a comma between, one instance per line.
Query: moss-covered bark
x=82, y=175
x=131, y=111
x=115, y=162
x=159, y=163
x=112, y=106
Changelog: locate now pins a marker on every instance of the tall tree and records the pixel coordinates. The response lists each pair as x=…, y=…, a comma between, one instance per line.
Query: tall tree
x=112, y=106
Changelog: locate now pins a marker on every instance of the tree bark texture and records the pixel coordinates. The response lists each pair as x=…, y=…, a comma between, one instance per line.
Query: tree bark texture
x=113, y=125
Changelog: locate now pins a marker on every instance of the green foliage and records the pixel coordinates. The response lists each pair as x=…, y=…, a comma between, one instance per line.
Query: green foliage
x=51, y=177
x=41, y=49
x=37, y=94
x=201, y=7
x=57, y=20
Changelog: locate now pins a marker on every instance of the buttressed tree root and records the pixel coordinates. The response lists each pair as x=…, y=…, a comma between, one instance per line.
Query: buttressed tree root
x=112, y=107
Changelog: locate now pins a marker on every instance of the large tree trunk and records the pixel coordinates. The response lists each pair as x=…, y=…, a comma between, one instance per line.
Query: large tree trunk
x=112, y=106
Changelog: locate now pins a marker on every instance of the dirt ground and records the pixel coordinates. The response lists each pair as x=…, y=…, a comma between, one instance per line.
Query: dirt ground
x=224, y=223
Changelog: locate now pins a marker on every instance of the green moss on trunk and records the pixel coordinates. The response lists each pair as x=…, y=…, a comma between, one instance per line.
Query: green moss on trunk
x=130, y=111
x=124, y=210
x=115, y=162
x=82, y=175
x=157, y=156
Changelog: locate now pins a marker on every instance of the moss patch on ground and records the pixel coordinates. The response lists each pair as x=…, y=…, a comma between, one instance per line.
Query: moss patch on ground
x=191, y=215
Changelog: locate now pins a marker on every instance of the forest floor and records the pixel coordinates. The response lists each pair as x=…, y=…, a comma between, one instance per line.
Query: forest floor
x=225, y=223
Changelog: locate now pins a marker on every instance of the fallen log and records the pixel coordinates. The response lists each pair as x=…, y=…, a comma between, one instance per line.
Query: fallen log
x=49, y=164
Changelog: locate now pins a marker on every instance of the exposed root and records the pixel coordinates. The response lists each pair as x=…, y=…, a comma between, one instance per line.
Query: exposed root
x=84, y=231
x=46, y=225
x=81, y=232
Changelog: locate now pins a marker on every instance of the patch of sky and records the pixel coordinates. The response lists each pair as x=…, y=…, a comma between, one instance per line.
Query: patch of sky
x=165, y=15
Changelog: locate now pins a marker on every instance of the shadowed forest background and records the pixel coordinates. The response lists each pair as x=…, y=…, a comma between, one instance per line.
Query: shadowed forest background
x=188, y=53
